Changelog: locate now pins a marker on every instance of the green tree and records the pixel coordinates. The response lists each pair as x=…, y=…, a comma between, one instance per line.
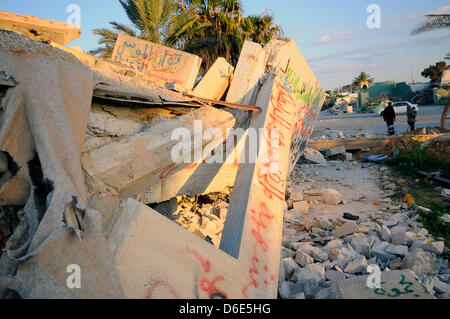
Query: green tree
x=227, y=30
x=436, y=22
x=360, y=79
x=435, y=72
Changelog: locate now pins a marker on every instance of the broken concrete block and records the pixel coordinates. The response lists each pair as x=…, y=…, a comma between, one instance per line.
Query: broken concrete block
x=158, y=63
x=310, y=288
x=289, y=266
x=216, y=81
x=435, y=247
x=314, y=156
x=333, y=275
x=358, y=265
x=331, y=197
x=344, y=230
x=315, y=252
x=220, y=212
x=399, y=284
x=303, y=258
x=287, y=289
x=379, y=250
x=287, y=253
x=399, y=238
x=360, y=244
x=250, y=68
x=439, y=286
x=314, y=272
x=123, y=168
x=385, y=234
x=335, y=151
x=346, y=157
x=302, y=206
x=297, y=194
x=400, y=250
x=421, y=262
x=39, y=29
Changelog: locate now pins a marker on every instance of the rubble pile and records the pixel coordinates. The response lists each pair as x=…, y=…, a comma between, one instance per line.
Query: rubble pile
x=339, y=135
x=322, y=251
x=202, y=215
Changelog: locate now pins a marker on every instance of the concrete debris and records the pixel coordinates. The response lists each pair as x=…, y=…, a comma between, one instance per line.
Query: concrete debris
x=436, y=247
x=159, y=218
x=421, y=262
x=331, y=197
x=347, y=229
x=335, y=151
x=387, y=235
x=313, y=156
x=358, y=265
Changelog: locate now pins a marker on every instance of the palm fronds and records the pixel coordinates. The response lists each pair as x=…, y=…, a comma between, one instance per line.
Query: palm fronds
x=434, y=22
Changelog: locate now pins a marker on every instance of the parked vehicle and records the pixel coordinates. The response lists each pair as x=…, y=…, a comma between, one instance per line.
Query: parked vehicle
x=400, y=107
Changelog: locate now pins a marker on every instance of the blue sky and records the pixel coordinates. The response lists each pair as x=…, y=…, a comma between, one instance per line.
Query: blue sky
x=332, y=35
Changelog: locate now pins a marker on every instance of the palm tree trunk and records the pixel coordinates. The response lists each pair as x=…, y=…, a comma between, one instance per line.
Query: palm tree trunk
x=445, y=113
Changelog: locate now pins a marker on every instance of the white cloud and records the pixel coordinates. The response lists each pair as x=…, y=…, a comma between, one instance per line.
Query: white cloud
x=441, y=10
x=335, y=37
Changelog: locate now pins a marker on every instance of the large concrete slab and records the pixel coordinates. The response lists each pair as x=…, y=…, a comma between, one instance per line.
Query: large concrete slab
x=284, y=53
x=399, y=284
x=38, y=29
x=157, y=259
x=128, y=166
x=202, y=177
x=290, y=100
x=156, y=62
x=216, y=80
x=250, y=69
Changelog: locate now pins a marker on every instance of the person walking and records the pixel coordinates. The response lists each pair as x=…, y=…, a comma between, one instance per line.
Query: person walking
x=411, y=114
x=389, y=118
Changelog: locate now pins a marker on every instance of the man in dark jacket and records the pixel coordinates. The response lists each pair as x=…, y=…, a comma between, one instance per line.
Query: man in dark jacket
x=411, y=114
x=389, y=118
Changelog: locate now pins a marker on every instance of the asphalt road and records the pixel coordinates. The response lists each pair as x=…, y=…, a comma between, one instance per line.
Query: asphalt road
x=429, y=115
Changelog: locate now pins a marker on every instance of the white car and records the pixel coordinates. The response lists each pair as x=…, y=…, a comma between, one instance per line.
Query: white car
x=401, y=107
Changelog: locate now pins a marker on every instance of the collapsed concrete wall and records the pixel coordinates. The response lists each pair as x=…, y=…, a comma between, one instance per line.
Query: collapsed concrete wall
x=125, y=153
x=156, y=62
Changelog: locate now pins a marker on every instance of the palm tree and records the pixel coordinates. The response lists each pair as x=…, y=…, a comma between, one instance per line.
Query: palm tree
x=436, y=22
x=360, y=80
x=208, y=28
x=223, y=36
x=261, y=29
x=159, y=21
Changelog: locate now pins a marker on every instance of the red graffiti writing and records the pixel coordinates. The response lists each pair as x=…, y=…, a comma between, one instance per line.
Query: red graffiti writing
x=205, y=284
x=258, y=219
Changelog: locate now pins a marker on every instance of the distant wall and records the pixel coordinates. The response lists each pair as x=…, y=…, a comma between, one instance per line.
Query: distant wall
x=391, y=89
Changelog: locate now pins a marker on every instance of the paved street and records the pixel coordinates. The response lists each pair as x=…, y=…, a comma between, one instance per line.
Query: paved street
x=429, y=115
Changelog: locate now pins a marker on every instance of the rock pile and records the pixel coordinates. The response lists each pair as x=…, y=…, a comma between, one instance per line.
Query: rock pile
x=202, y=215
x=325, y=250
